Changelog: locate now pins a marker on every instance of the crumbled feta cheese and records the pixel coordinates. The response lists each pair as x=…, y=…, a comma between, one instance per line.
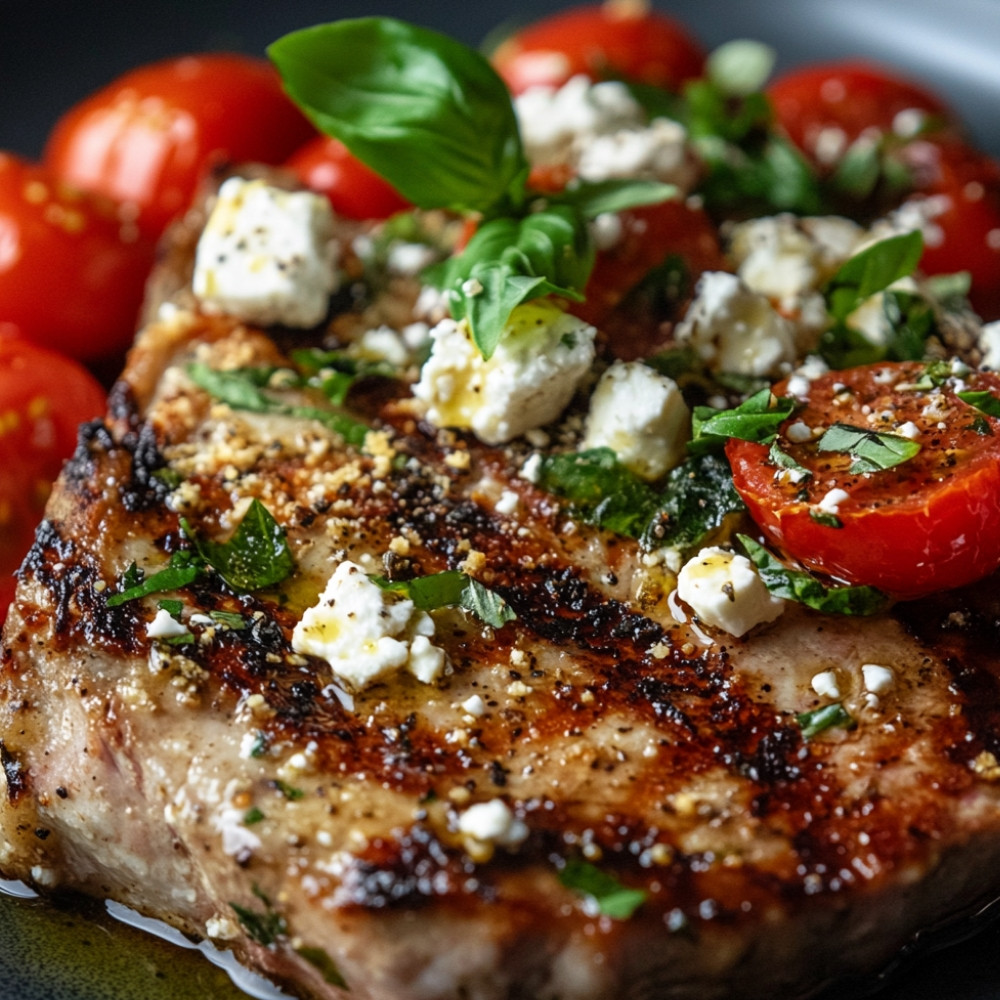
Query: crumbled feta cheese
x=878, y=679
x=382, y=344
x=164, y=626
x=735, y=329
x=908, y=430
x=532, y=468
x=508, y=503
x=989, y=344
x=724, y=591
x=825, y=684
x=493, y=822
x=366, y=633
x=542, y=357
x=641, y=416
x=474, y=706
x=657, y=152
x=830, y=502
x=799, y=432
x=267, y=255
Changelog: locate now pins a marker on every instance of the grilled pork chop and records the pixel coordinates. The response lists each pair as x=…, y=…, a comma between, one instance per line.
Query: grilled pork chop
x=599, y=797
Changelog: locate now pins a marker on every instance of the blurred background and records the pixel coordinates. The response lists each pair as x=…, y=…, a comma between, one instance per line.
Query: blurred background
x=53, y=52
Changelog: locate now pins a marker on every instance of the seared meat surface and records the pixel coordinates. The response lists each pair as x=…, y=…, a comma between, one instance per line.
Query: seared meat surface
x=225, y=782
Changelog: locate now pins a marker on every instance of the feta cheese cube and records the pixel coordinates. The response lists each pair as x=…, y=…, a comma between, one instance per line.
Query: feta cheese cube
x=493, y=822
x=640, y=415
x=542, y=357
x=366, y=633
x=164, y=626
x=735, y=329
x=724, y=591
x=266, y=255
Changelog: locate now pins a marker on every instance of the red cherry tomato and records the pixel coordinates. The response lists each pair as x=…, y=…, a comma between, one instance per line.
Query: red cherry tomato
x=325, y=164
x=845, y=99
x=44, y=396
x=71, y=274
x=924, y=525
x=960, y=193
x=649, y=237
x=146, y=139
x=620, y=38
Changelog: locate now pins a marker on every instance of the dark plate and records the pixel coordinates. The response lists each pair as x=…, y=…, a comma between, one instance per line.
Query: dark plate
x=53, y=52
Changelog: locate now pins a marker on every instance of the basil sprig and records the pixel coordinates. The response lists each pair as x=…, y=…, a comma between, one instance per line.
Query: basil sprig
x=433, y=118
x=872, y=451
x=983, y=400
x=794, y=585
x=756, y=419
x=255, y=557
x=909, y=318
x=452, y=588
x=611, y=898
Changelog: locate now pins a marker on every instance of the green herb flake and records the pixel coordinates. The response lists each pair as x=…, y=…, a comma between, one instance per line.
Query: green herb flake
x=257, y=555
x=264, y=928
x=319, y=959
x=982, y=400
x=291, y=793
x=228, y=619
x=182, y=570
x=452, y=588
x=610, y=897
x=756, y=419
x=794, y=585
x=828, y=717
x=826, y=519
x=171, y=606
x=253, y=815
x=259, y=746
x=872, y=451
x=785, y=461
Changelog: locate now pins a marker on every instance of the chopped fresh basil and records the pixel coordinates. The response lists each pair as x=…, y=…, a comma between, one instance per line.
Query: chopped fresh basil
x=257, y=555
x=593, y=198
x=319, y=959
x=452, y=588
x=600, y=490
x=259, y=746
x=252, y=815
x=982, y=400
x=171, y=606
x=794, y=585
x=872, y=451
x=264, y=928
x=182, y=570
x=829, y=716
x=826, y=519
x=179, y=640
x=611, y=898
x=228, y=619
x=935, y=375
x=872, y=270
x=291, y=793
x=695, y=500
x=242, y=389
x=510, y=261
x=335, y=373
x=981, y=426
x=785, y=461
x=756, y=419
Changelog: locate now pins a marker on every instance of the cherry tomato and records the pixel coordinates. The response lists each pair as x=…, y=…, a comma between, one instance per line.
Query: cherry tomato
x=44, y=396
x=620, y=38
x=325, y=164
x=838, y=101
x=146, y=139
x=959, y=191
x=648, y=238
x=71, y=274
x=926, y=524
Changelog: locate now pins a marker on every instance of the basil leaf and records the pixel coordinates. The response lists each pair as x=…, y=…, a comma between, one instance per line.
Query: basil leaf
x=794, y=585
x=264, y=928
x=872, y=270
x=600, y=490
x=611, y=897
x=424, y=111
x=253, y=815
x=815, y=722
x=697, y=497
x=825, y=518
x=756, y=419
x=785, y=461
x=593, y=198
x=510, y=261
x=182, y=570
x=335, y=373
x=319, y=959
x=172, y=607
x=256, y=556
x=984, y=401
x=452, y=588
x=872, y=451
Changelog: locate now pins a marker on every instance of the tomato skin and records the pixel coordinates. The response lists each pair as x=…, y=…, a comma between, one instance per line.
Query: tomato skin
x=326, y=165
x=928, y=524
x=71, y=275
x=44, y=396
x=616, y=39
x=853, y=97
x=146, y=139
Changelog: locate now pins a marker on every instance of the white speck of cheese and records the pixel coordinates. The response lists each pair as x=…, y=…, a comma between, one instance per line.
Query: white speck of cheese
x=164, y=626
x=825, y=684
x=493, y=822
x=878, y=679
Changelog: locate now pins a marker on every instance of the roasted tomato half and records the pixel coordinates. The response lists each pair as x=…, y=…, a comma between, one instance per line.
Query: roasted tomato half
x=925, y=523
